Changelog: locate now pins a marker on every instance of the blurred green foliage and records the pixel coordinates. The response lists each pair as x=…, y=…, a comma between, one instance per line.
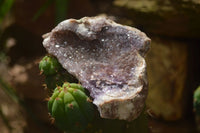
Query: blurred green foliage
x=61, y=10
x=5, y=6
x=10, y=91
x=61, y=7
x=5, y=120
x=196, y=101
x=42, y=9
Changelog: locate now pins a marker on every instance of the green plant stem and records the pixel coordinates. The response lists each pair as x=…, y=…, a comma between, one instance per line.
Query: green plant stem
x=9, y=91
x=61, y=10
x=5, y=6
x=5, y=120
x=42, y=9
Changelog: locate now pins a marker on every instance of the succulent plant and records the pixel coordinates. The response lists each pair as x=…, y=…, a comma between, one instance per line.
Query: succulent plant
x=196, y=101
x=49, y=65
x=70, y=107
x=55, y=75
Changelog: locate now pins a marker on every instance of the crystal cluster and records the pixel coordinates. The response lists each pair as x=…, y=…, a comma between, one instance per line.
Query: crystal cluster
x=108, y=60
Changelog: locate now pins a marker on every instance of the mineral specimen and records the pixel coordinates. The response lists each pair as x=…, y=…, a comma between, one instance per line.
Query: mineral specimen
x=108, y=59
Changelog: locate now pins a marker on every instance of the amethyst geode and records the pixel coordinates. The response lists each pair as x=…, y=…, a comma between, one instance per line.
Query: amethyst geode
x=108, y=59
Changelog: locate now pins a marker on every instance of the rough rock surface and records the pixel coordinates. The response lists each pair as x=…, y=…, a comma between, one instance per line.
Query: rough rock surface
x=167, y=76
x=108, y=59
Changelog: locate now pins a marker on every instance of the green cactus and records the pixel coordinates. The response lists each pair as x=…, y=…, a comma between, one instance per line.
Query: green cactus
x=70, y=107
x=196, y=101
x=49, y=65
x=55, y=75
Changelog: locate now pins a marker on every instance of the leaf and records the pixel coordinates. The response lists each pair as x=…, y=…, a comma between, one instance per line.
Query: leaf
x=61, y=10
x=5, y=120
x=9, y=90
x=42, y=9
x=5, y=7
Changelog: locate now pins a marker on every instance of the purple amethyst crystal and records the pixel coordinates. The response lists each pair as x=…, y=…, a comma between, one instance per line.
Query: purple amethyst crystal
x=108, y=59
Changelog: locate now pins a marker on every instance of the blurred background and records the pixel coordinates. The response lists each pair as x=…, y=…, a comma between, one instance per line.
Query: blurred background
x=173, y=61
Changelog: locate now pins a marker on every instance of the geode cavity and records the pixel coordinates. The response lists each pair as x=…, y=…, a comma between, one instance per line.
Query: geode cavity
x=108, y=59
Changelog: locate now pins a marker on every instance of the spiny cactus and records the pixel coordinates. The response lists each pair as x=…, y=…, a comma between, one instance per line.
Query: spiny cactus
x=55, y=75
x=196, y=102
x=70, y=107
x=49, y=65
